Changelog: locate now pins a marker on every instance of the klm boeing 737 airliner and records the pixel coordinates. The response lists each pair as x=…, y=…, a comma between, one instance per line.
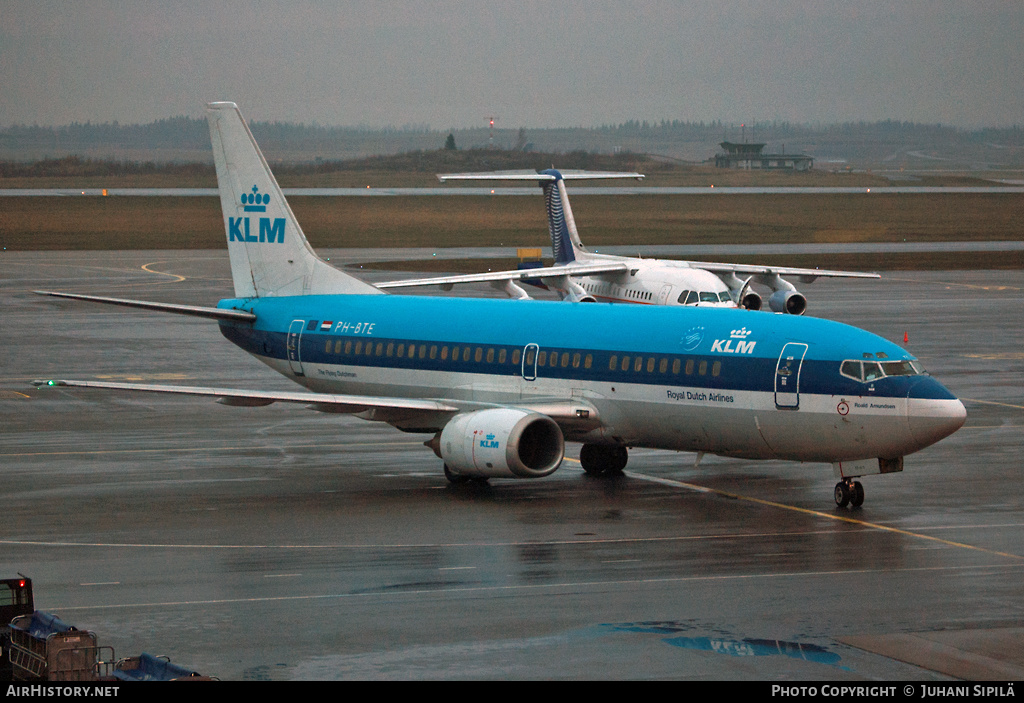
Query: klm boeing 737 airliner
x=501, y=385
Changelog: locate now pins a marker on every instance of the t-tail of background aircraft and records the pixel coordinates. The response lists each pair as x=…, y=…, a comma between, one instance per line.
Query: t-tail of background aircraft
x=583, y=276
x=499, y=386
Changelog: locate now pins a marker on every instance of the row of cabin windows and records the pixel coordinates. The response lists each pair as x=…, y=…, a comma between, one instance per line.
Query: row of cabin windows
x=401, y=350
x=543, y=358
x=608, y=289
x=651, y=363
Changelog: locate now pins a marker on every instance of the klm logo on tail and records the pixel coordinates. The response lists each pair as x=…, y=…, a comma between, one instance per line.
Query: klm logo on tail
x=271, y=231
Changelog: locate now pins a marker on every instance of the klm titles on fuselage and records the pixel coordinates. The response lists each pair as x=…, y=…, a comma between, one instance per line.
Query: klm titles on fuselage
x=271, y=231
x=736, y=344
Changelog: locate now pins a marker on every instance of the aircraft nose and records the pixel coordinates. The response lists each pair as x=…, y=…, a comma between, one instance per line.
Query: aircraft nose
x=933, y=412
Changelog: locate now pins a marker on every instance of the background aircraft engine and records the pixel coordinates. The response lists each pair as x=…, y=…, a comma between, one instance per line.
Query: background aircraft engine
x=750, y=301
x=790, y=302
x=502, y=443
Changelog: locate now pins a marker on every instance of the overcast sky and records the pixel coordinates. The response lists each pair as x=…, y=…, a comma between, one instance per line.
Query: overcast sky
x=535, y=64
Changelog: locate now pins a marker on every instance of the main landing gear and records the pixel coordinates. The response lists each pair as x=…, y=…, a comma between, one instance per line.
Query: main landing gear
x=849, y=492
x=603, y=460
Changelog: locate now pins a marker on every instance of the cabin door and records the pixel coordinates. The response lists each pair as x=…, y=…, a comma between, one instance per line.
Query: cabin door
x=530, y=352
x=294, y=338
x=787, y=375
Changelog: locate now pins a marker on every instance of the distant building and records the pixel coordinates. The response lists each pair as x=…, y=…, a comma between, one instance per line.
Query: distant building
x=749, y=156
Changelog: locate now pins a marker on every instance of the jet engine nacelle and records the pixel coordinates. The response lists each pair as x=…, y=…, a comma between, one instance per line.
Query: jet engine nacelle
x=502, y=443
x=791, y=302
x=750, y=301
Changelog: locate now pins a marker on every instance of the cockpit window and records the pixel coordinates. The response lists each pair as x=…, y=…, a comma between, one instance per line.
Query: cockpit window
x=872, y=371
x=852, y=370
x=708, y=297
x=682, y=297
x=899, y=368
x=868, y=371
x=692, y=298
x=724, y=297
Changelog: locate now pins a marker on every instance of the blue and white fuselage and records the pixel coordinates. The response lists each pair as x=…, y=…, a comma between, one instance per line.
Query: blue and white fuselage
x=721, y=381
x=501, y=385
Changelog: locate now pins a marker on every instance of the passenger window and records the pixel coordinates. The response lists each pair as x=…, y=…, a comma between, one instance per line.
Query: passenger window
x=576, y=360
x=348, y=348
x=337, y=347
x=423, y=350
x=625, y=363
x=542, y=359
x=329, y=345
x=703, y=368
x=359, y=348
x=564, y=361
x=391, y=349
x=650, y=365
x=465, y=353
x=433, y=351
x=872, y=371
x=613, y=362
x=588, y=360
x=400, y=354
x=675, y=366
x=663, y=366
x=490, y=355
x=529, y=356
x=478, y=355
x=444, y=353
x=515, y=356
x=502, y=355
x=716, y=368
x=638, y=364
x=689, y=367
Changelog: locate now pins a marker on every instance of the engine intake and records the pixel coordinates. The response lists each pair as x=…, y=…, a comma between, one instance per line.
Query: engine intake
x=790, y=302
x=502, y=443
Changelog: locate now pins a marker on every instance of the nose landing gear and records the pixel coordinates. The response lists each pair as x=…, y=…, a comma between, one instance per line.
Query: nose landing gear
x=849, y=492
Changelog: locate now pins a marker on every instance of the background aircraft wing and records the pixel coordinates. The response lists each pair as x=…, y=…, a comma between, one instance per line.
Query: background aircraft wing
x=516, y=275
x=806, y=275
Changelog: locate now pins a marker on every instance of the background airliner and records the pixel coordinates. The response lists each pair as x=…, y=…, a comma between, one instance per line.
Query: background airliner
x=580, y=275
x=498, y=386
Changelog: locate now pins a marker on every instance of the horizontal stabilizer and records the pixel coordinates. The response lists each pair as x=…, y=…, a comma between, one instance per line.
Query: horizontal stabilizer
x=528, y=175
x=194, y=310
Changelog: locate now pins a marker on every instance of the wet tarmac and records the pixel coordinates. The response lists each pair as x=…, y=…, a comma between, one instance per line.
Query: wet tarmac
x=280, y=543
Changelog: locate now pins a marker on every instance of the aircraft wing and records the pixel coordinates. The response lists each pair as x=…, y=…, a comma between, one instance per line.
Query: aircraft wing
x=572, y=415
x=233, y=396
x=516, y=275
x=806, y=275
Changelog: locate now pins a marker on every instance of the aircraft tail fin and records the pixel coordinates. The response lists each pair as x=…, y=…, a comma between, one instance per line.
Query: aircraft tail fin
x=269, y=253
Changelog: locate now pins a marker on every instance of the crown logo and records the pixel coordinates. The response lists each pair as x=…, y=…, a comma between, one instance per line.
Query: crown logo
x=741, y=333
x=254, y=202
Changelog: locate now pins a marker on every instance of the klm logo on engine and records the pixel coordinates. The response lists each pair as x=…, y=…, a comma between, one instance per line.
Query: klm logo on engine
x=490, y=442
x=736, y=344
x=271, y=231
